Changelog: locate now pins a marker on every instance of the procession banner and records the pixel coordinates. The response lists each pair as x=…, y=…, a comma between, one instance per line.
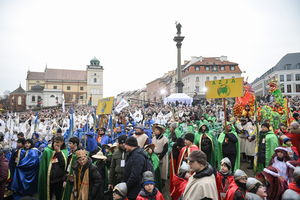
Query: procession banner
x=224, y=88
x=105, y=106
x=123, y=104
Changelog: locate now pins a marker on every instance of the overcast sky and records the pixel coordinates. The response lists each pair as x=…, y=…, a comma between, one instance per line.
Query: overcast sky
x=134, y=39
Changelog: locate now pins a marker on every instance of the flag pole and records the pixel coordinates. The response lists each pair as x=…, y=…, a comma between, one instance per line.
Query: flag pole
x=225, y=113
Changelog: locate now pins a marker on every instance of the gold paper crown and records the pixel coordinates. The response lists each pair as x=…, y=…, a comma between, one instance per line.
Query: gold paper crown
x=81, y=153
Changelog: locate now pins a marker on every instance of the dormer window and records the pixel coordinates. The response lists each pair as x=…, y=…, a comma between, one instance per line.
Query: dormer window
x=232, y=68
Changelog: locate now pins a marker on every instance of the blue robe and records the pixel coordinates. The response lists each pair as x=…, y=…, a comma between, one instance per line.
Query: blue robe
x=25, y=178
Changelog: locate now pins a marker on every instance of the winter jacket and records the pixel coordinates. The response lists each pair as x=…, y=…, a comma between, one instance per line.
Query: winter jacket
x=116, y=172
x=135, y=165
x=155, y=195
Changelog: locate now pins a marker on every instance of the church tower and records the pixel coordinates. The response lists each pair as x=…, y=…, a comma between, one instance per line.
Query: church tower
x=94, y=82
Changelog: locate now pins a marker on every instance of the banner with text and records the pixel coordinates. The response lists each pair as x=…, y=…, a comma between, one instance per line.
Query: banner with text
x=105, y=106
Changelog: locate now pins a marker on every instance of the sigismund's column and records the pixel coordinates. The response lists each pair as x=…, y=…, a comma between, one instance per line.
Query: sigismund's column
x=178, y=39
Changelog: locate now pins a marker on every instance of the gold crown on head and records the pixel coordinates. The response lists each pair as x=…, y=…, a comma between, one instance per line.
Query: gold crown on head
x=81, y=153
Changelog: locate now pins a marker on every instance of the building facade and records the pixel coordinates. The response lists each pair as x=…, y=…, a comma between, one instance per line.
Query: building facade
x=200, y=69
x=17, y=100
x=77, y=86
x=286, y=71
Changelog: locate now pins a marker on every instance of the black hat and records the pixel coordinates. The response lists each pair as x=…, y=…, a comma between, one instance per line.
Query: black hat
x=295, y=115
x=131, y=141
x=59, y=130
x=122, y=139
x=190, y=137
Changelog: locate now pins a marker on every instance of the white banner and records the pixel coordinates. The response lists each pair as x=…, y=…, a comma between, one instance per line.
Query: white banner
x=123, y=104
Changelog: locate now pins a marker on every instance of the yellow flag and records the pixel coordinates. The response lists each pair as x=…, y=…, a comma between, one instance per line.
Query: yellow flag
x=224, y=88
x=105, y=106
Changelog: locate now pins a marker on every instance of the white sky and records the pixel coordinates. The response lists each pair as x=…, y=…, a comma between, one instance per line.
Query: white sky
x=133, y=39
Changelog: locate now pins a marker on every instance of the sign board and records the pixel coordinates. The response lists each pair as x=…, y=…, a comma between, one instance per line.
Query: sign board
x=105, y=106
x=224, y=88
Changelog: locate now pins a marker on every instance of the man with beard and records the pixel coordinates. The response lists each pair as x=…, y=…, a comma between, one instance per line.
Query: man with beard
x=141, y=137
x=87, y=179
x=293, y=193
x=116, y=172
x=237, y=189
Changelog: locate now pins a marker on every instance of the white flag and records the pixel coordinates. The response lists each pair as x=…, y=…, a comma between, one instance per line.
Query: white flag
x=123, y=104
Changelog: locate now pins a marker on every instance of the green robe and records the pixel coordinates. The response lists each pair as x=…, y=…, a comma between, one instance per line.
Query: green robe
x=155, y=163
x=69, y=186
x=220, y=152
x=214, y=143
x=271, y=144
x=44, y=172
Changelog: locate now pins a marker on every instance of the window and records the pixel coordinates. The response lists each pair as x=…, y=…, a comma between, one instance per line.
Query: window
x=288, y=88
x=81, y=97
x=19, y=100
x=81, y=88
x=197, y=68
x=232, y=68
x=95, y=74
x=215, y=78
x=282, y=88
x=297, y=87
x=33, y=98
x=52, y=96
x=207, y=78
x=197, y=79
x=68, y=87
x=222, y=77
x=197, y=89
x=233, y=77
x=222, y=68
x=288, y=77
x=297, y=77
x=288, y=66
x=207, y=68
x=55, y=87
x=298, y=66
x=95, y=80
x=281, y=78
x=215, y=68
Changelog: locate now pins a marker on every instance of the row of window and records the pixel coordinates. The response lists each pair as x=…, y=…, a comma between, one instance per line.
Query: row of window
x=207, y=78
x=289, y=66
x=68, y=87
x=289, y=88
x=289, y=77
x=214, y=68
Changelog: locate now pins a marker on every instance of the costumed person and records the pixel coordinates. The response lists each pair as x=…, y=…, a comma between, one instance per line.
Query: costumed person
x=116, y=171
x=102, y=138
x=292, y=151
x=161, y=149
x=141, y=137
x=237, y=189
x=279, y=160
x=149, y=148
x=52, y=170
x=275, y=184
x=149, y=191
x=120, y=191
x=294, y=134
x=202, y=185
x=282, y=130
x=25, y=179
x=16, y=156
x=250, y=143
x=135, y=165
x=267, y=142
x=296, y=117
x=293, y=191
x=224, y=178
x=179, y=181
x=99, y=161
x=255, y=190
x=69, y=182
x=4, y=173
x=88, y=183
x=207, y=143
x=187, y=149
x=229, y=146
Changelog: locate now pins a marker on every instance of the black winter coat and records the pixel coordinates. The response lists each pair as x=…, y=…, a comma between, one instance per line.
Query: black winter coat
x=135, y=165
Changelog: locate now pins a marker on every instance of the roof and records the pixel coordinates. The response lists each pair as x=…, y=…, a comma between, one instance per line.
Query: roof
x=204, y=61
x=58, y=74
x=19, y=90
x=290, y=61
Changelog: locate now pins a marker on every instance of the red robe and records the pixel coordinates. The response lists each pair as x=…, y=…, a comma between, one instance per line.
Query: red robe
x=294, y=187
x=223, y=188
x=295, y=138
x=231, y=191
x=185, y=152
x=179, y=185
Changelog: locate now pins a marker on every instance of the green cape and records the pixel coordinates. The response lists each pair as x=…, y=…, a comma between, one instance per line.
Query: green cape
x=69, y=185
x=155, y=162
x=44, y=172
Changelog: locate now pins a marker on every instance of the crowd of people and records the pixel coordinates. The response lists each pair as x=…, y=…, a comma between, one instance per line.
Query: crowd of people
x=144, y=152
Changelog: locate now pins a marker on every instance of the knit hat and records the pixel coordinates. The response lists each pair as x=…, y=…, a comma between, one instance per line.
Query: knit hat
x=253, y=184
x=227, y=162
x=122, y=139
x=284, y=140
x=121, y=188
x=148, y=178
x=189, y=137
x=131, y=141
x=239, y=174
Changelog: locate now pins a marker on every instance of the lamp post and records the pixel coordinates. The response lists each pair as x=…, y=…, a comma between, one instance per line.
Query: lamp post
x=178, y=39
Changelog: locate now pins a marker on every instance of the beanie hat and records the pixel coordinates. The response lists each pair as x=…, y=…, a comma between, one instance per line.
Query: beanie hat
x=131, y=141
x=239, y=174
x=122, y=139
x=190, y=137
x=148, y=178
x=227, y=162
x=121, y=188
x=253, y=184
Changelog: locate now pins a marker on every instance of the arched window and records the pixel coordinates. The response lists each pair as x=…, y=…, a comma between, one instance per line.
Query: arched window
x=19, y=100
